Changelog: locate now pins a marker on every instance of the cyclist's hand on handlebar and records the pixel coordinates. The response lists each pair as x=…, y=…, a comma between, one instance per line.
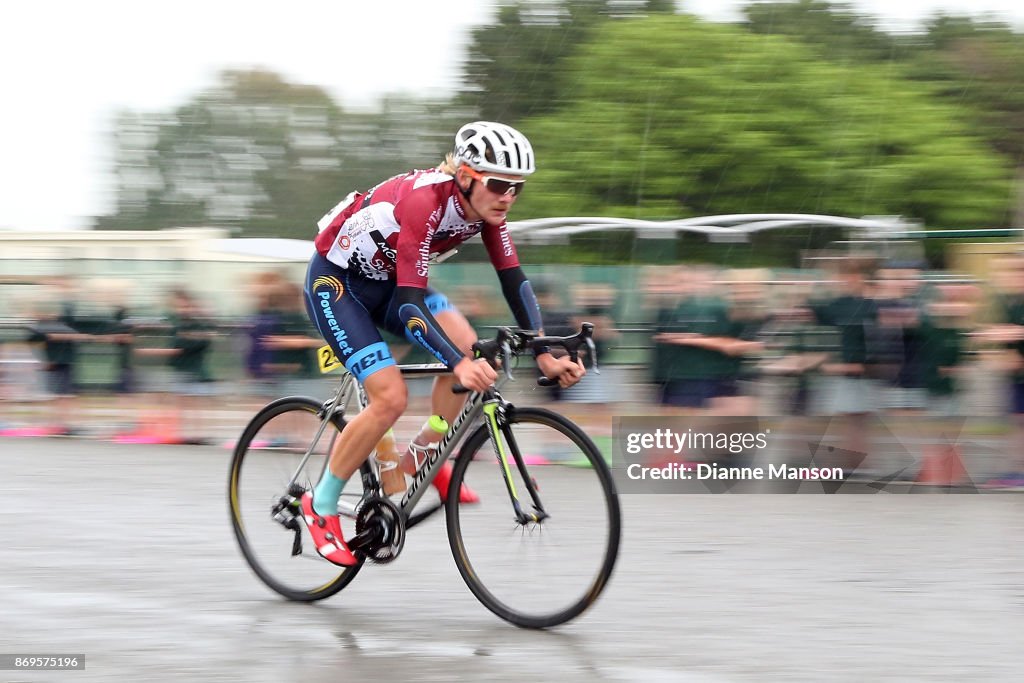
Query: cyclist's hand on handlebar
x=563, y=369
x=475, y=375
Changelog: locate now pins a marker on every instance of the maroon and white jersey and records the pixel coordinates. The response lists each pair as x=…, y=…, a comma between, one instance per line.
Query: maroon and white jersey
x=395, y=229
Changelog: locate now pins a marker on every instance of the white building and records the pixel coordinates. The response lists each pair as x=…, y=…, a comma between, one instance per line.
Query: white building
x=143, y=264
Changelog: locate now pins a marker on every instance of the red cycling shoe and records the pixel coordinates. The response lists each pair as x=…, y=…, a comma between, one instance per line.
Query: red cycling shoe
x=444, y=479
x=326, y=532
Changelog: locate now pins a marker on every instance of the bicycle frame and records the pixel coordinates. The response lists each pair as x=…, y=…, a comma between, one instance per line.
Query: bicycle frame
x=381, y=521
x=476, y=404
x=489, y=402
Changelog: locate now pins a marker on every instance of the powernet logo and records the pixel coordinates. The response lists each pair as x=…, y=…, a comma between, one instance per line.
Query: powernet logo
x=330, y=282
x=416, y=325
x=340, y=336
x=417, y=330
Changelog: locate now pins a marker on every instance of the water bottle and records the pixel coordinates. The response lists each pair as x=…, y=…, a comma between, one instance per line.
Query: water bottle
x=391, y=476
x=420, y=448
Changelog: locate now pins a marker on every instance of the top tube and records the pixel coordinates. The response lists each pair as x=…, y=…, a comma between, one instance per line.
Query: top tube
x=424, y=369
x=512, y=342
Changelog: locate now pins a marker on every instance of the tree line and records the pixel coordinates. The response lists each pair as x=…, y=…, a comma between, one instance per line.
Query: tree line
x=636, y=110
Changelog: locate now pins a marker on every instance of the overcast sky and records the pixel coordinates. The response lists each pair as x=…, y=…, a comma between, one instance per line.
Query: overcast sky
x=67, y=67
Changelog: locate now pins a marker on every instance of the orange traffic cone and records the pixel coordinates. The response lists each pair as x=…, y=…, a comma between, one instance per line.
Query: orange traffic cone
x=157, y=426
x=942, y=465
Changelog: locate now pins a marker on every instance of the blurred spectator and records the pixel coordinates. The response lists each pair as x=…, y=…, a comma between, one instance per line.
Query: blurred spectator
x=191, y=337
x=112, y=331
x=116, y=330
x=291, y=363
x=850, y=394
x=263, y=323
x=192, y=334
x=663, y=289
x=594, y=303
x=943, y=333
x=898, y=342
x=801, y=350
x=55, y=331
x=748, y=315
x=122, y=336
x=1009, y=278
x=292, y=343
x=944, y=329
x=667, y=292
x=895, y=342
x=704, y=367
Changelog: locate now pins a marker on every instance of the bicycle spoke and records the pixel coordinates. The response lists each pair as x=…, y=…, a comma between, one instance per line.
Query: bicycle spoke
x=537, y=573
x=273, y=454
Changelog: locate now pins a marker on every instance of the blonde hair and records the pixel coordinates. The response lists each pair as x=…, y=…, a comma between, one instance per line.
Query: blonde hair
x=449, y=165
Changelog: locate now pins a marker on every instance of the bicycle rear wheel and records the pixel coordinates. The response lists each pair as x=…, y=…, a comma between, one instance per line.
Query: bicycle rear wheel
x=264, y=513
x=545, y=573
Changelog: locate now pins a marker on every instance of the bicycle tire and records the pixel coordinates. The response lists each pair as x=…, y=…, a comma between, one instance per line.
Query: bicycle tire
x=537, y=423
x=330, y=578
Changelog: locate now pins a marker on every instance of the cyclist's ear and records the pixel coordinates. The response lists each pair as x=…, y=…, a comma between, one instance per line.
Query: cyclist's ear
x=462, y=180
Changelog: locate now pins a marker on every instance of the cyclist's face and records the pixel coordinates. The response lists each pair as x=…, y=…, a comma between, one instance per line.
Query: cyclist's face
x=488, y=204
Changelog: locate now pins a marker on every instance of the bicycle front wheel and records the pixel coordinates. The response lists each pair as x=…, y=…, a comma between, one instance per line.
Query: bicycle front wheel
x=544, y=573
x=265, y=515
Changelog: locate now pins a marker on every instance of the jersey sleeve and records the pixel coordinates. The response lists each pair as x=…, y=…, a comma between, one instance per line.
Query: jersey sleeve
x=520, y=297
x=422, y=328
x=498, y=242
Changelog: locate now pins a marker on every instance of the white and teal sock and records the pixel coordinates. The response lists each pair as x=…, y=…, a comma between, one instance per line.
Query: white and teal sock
x=327, y=493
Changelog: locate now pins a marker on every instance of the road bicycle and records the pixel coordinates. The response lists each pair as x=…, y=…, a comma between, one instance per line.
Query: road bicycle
x=537, y=550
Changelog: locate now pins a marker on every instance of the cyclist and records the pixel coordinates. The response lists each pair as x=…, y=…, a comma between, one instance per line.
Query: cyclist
x=370, y=271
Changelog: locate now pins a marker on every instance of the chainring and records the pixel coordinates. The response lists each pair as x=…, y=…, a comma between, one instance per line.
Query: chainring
x=382, y=513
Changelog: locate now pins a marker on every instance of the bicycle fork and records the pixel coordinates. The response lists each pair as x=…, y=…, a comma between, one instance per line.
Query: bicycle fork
x=497, y=426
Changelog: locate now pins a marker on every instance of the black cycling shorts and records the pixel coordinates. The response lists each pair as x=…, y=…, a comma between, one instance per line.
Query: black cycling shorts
x=348, y=309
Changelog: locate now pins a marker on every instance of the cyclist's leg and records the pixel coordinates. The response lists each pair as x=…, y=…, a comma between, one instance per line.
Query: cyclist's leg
x=457, y=328
x=387, y=395
x=443, y=401
x=339, y=304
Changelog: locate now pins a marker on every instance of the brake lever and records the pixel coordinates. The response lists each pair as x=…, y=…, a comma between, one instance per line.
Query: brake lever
x=506, y=360
x=592, y=347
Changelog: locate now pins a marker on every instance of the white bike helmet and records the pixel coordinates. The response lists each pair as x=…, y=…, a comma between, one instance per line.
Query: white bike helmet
x=494, y=147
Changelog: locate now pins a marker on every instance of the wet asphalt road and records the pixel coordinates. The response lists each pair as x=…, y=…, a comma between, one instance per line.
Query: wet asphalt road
x=125, y=554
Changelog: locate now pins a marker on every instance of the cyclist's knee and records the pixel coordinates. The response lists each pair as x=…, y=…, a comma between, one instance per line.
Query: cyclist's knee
x=390, y=406
x=388, y=395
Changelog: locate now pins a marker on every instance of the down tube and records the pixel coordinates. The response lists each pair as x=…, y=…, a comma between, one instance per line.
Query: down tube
x=427, y=472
